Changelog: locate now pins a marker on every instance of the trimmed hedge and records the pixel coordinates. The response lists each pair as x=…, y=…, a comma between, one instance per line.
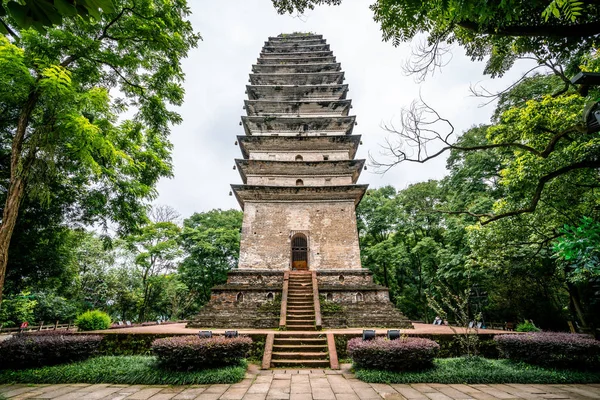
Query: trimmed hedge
x=46, y=348
x=551, y=349
x=187, y=353
x=94, y=320
x=406, y=354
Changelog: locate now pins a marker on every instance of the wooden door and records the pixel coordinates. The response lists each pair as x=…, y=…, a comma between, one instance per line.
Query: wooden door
x=299, y=252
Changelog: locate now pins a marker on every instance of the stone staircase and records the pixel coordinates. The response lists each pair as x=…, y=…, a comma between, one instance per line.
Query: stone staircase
x=295, y=349
x=300, y=315
x=300, y=350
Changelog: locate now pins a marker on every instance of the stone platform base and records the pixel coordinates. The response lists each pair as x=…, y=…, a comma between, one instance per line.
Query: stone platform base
x=252, y=299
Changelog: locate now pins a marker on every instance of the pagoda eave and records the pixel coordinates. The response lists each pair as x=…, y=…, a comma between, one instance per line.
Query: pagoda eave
x=329, y=108
x=249, y=193
x=351, y=168
x=285, y=143
x=268, y=125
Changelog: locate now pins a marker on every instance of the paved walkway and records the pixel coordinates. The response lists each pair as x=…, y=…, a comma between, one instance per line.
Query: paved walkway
x=303, y=384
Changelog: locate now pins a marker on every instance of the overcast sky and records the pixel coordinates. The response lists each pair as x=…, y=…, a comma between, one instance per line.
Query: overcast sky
x=234, y=32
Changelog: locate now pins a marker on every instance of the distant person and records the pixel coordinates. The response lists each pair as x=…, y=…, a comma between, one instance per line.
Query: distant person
x=437, y=320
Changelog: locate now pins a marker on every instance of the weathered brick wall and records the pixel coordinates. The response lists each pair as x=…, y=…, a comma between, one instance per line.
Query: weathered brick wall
x=255, y=277
x=306, y=155
x=307, y=180
x=330, y=227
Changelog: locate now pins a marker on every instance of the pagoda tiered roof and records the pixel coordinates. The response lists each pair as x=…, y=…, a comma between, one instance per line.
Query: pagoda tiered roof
x=297, y=110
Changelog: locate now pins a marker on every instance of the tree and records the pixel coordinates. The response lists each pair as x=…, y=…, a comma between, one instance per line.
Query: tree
x=503, y=31
x=211, y=241
x=156, y=252
x=60, y=121
x=41, y=14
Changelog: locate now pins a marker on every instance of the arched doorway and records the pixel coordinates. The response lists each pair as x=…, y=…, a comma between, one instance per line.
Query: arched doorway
x=299, y=252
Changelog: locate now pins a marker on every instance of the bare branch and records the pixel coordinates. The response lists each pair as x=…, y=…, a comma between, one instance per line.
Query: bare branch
x=426, y=58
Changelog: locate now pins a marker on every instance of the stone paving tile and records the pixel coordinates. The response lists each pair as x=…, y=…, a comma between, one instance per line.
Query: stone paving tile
x=583, y=391
x=302, y=387
x=17, y=390
x=408, y=392
x=144, y=393
x=423, y=388
x=453, y=393
x=51, y=394
x=300, y=396
x=437, y=396
x=323, y=393
x=499, y=394
x=383, y=389
x=251, y=396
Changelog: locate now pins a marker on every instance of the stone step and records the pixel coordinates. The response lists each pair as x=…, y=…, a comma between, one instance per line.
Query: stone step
x=301, y=327
x=300, y=355
x=301, y=318
x=299, y=347
x=305, y=321
x=300, y=341
x=301, y=312
x=297, y=363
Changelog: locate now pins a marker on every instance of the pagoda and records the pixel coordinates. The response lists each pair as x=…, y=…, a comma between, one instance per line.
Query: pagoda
x=299, y=266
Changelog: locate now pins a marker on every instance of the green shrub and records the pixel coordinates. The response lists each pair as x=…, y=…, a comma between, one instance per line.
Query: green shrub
x=407, y=353
x=17, y=308
x=46, y=348
x=93, y=321
x=192, y=352
x=527, y=326
x=551, y=349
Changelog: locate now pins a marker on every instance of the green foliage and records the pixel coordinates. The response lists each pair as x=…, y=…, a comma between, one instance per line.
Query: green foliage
x=571, y=9
x=41, y=14
x=126, y=370
x=502, y=32
x=93, y=320
x=578, y=250
x=477, y=370
x=17, y=308
x=51, y=308
x=527, y=326
x=211, y=241
x=330, y=307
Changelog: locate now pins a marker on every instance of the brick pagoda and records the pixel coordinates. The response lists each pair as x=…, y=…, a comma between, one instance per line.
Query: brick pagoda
x=299, y=265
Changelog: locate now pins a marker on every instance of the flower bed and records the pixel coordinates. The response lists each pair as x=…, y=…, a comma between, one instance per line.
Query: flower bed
x=193, y=352
x=46, y=348
x=551, y=349
x=402, y=354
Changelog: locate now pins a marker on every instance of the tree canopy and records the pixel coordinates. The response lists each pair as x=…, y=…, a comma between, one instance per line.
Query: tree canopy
x=60, y=123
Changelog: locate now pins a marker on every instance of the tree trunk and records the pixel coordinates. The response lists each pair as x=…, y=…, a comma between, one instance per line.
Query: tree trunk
x=16, y=187
x=575, y=301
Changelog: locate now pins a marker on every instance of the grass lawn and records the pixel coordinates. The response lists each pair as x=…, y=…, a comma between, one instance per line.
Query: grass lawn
x=130, y=370
x=479, y=370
